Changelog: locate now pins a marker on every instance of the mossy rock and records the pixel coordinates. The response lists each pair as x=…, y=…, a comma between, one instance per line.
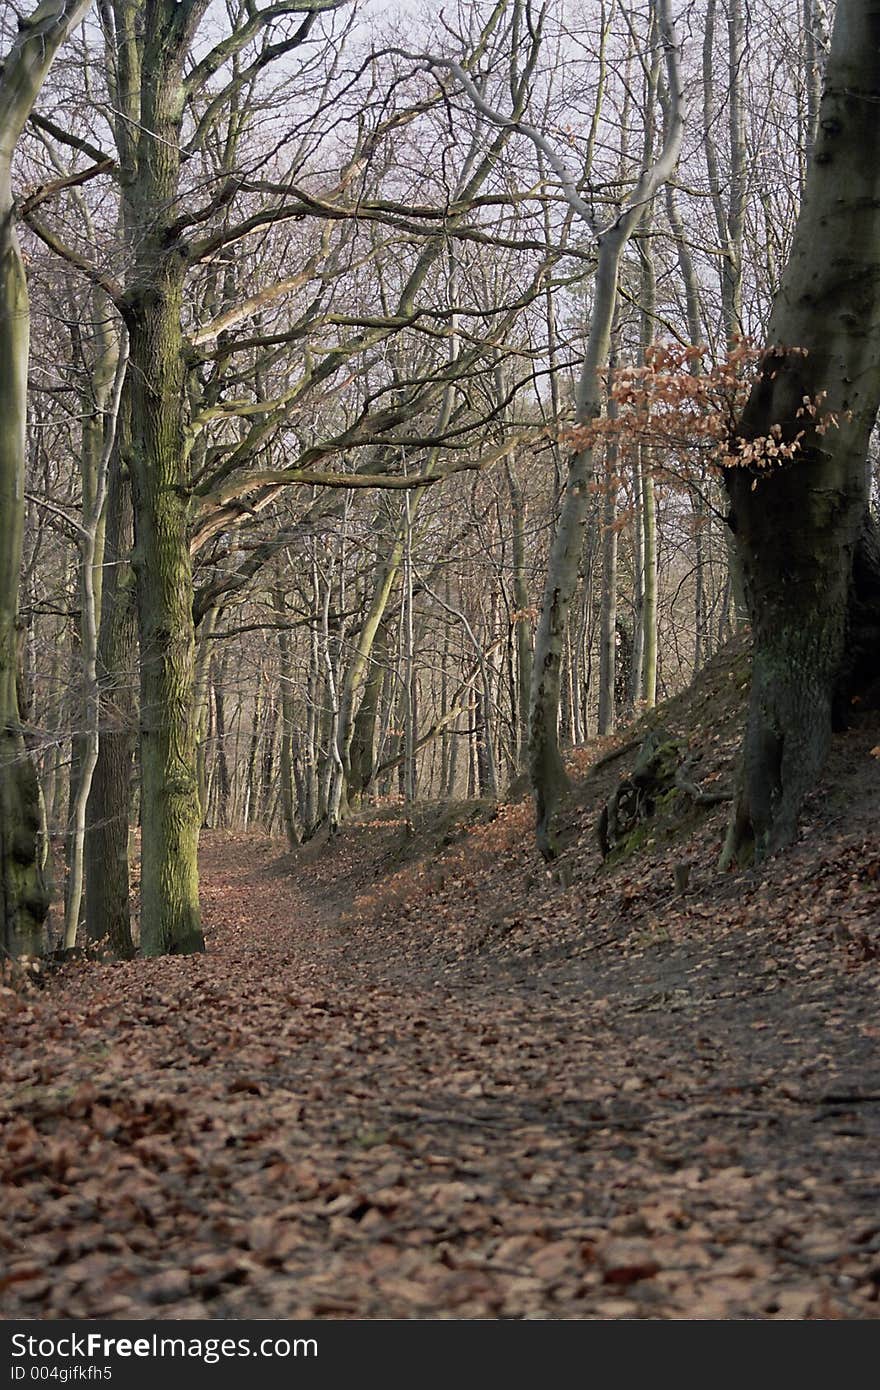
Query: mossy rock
x=658, y=760
x=629, y=815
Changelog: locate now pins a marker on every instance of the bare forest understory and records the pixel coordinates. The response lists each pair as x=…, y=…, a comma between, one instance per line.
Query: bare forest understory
x=419, y=1075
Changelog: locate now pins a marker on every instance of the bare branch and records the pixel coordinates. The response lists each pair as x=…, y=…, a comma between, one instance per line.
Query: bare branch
x=86, y=268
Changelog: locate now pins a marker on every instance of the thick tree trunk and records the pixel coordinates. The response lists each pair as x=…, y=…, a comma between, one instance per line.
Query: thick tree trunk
x=171, y=810
x=154, y=299
x=797, y=525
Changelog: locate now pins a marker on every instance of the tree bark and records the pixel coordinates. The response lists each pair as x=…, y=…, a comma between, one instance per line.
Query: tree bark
x=171, y=810
x=797, y=526
x=109, y=805
x=90, y=544
x=23, y=896
x=357, y=674
x=286, y=764
x=522, y=616
x=362, y=752
x=170, y=805
x=608, y=607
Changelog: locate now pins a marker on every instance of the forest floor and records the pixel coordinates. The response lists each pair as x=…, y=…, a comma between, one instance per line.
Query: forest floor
x=418, y=1075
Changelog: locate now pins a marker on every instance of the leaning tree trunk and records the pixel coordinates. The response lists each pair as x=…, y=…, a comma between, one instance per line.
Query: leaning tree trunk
x=23, y=897
x=798, y=525
x=356, y=675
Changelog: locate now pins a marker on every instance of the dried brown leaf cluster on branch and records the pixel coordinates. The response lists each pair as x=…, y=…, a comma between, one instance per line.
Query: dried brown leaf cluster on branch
x=684, y=406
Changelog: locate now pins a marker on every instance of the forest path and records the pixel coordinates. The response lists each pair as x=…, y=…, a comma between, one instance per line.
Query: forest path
x=307, y=1122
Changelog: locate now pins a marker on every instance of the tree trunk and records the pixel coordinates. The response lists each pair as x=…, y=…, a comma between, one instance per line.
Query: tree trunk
x=797, y=525
x=522, y=616
x=204, y=642
x=357, y=674
x=362, y=753
x=647, y=688
x=154, y=305
x=109, y=805
x=171, y=811
x=90, y=543
x=286, y=766
x=608, y=607
x=25, y=900
x=98, y=344
x=633, y=691
x=547, y=772
x=23, y=896
x=607, y=710
x=250, y=810
x=701, y=629
x=222, y=780
x=649, y=597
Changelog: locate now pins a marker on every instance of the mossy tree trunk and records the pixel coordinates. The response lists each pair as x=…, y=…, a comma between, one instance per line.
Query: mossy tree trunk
x=171, y=808
x=170, y=804
x=23, y=897
x=798, y=526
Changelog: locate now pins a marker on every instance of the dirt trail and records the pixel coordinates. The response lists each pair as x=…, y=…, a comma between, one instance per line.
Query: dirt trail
x=303, y=1124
